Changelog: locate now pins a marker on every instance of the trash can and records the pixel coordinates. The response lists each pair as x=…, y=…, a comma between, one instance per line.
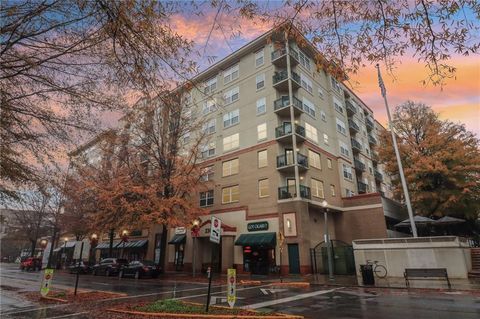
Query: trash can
x=367, y=275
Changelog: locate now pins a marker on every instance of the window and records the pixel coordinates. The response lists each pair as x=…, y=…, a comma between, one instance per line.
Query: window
x=338, y=105
x=230, y=167
x=306, y=83
x=209, y=106
x=208, y=150
x=259, y=58
x=262, y=158
x=341, y=126
x=309, y=107
x=329, y=163
x=231, y=96
x=186, y=138
x=323, y=116
x=304, y=59
x=336, y=85
x=230, y=194
x=314, y=159
x=230, y=74
x=263, y=189
x=317, y=188
x=206, y=198
x=311, y=132
x=262, y=131
x=347, y=172
x=332, y=190
x=321, y=93
x=231, y=118
x=349, y=193
x=230, y=142
x=210, y=85
x=260, y=80
x=209, y=127
x=261, y=106
x=344, y=149
x=207, y=174
x=325, y=138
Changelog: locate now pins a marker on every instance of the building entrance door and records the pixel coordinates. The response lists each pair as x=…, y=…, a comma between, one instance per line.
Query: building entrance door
x=293, y=259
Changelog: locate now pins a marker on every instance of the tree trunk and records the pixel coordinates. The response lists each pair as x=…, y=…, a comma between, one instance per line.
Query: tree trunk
x=163, y=248
x=110, y=247
x=34, y=244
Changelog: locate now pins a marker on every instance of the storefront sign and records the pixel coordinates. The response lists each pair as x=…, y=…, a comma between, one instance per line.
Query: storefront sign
x=232, y=283
x=257, y=226
x=46, y=282
x=216, y=230
x=180, y=231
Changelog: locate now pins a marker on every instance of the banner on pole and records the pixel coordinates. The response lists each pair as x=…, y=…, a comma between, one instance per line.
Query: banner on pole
x=232, y=287
x=46, y=281
x=216, y=230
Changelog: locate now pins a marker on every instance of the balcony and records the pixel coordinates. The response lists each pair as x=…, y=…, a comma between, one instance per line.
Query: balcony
x=279, y=57
x=359, y=166
x=353, y=127
x=369, y=124
x=374, y=158
x=362, y=188
x=284, y=132
x=286, y=192
x=372, y=140
x=285, y=163
x=280, y=80
x=282, y=106
x=378, y=176
x=350, y=108
x=356, y=146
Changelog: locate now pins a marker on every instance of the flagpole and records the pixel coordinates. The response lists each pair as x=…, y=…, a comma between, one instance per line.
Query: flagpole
x=397, y=154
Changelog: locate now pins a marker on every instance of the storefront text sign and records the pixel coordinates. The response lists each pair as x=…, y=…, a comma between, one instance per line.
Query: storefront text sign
x=257, y=226
x=215, y=231
x=232, y=284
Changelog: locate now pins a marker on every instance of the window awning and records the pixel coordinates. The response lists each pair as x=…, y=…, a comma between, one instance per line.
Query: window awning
x=258, y=239
x=178, y=239
x=132, y=244
x=106, y=244
x=70, y=244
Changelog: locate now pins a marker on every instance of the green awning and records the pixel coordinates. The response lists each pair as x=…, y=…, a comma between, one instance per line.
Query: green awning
x=257, y=239
x=178, y=239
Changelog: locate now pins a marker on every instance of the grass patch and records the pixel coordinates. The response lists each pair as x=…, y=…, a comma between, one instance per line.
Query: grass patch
x=177, y=306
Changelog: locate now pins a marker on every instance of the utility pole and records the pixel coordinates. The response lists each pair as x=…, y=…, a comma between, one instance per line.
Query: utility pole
x=397, y=154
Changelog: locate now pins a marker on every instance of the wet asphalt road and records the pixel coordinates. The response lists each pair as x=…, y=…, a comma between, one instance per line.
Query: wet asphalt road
x=313, y=302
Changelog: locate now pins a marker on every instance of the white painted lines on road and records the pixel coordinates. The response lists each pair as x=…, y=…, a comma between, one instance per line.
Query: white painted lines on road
x=289, y=299
x=271, y=291
x=69, y=315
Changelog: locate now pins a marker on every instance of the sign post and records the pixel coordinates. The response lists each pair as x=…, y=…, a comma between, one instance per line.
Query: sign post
x=215, y=234
x=78, y=263
x=232, y=287
x=46, y=281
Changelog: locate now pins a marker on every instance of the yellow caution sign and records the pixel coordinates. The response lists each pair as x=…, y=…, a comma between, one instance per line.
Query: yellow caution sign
x=232, y=287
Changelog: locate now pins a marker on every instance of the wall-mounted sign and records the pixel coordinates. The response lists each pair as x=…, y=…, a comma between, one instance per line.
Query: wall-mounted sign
x=180, y=231
x=257, y=226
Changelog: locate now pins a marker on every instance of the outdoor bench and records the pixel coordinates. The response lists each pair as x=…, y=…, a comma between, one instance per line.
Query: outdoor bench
x=425, y=273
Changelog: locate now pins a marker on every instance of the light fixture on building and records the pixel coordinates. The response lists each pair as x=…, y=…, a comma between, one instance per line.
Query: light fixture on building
x=94, y=236
x=301, y=178
x=324, y=203
x=124, y=232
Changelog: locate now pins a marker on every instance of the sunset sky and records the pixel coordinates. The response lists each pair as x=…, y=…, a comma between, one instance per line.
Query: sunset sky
x=458, y=100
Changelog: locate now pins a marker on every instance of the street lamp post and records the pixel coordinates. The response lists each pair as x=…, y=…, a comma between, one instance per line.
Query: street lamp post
x=65, y=253
x=195, y=223
x=124, y=239
x=327, y=241
x=93, y=242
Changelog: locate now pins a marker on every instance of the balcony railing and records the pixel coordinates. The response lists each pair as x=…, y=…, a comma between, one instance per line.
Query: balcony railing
x=372, y=140
x=353, y=126
x=369, y=123
x=350, y=108
x=378, y=176
x=280, y=53
x=356, y=146
x=286, y=129
x=284, y=160
x=286, y=192
x=359, y=166
x=362, y=187
x=283, y=75
x=284, y=101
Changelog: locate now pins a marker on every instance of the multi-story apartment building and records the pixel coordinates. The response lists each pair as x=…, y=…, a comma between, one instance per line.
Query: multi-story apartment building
x=287, y=143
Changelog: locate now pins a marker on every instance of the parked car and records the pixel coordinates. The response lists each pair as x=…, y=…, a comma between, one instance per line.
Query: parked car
x=139, y=269
x=80, y=266
x=31, y=263
x=108, y=266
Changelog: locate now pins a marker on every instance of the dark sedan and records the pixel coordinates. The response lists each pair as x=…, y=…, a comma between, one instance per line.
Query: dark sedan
x=108, y=266
x=140, y=269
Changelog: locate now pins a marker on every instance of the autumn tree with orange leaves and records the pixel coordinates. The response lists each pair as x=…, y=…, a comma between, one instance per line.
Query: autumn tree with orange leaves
x=441, y=162
x=153, y=174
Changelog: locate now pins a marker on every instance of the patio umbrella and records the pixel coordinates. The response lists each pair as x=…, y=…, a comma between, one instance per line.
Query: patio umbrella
x=447, y=220
x=419, y=220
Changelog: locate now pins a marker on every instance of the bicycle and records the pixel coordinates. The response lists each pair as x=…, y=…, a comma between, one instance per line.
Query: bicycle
x=379, y=270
